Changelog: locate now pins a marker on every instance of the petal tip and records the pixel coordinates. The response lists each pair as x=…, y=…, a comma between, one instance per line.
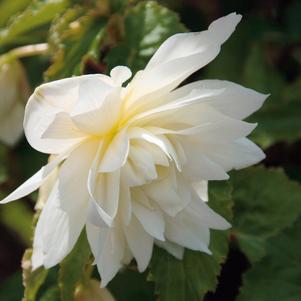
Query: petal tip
x=223, y=27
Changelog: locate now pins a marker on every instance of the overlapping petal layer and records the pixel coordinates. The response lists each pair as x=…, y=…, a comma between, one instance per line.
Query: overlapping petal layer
x=134, y=161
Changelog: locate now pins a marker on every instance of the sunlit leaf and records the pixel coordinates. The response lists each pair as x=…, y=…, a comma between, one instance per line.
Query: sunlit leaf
x=34, y=16
x=8, y=8
x=74, y=38
x=146, y=26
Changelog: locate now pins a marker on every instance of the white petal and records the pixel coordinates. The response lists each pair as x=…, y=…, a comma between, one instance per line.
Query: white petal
x=104, y=190
x=201, y=189
x=46, y=187
x=184, y=44
x=159, y=140
x=108, y=248
x=38, y=256
x=132, y=176
x=170, y=196
x=138, y=194
x=35, y=181
x=73, y=175
x=104, y=202
x=186, y=232
x=172, y=248
x=92, y=92
x=116, y=153
x=158, y=156
x=62, y=127
x=199, y=167
x=100, y=120
x=125, y=203
x=177, y=98
x=222, y=28
x=57, y=230
x=151, y=220
x=96, y=237
x=238, y=154
x=143, y=162
x=55, y=97
x=128, y=256
x=204, y=168
x=199, y=212
x=94, y=217
x=227, y=97
x=120, y=74
x=190, y=119
x=171, y=150
x=92, y=183
x=140, y=243
x=181, y=55
x=41, y=109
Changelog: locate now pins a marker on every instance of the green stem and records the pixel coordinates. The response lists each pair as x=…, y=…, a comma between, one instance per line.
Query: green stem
x=29, y=50
x=24, y=51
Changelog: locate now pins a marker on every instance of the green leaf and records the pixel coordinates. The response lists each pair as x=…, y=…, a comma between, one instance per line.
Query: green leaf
x=12, y=289
x=51, y=294
x=261, y=76
x=75, y=268
x=8, y=8
x=74, y=38
x=293, y=20
x=137, y=288
x=18, y=217
x=229, y=64
x=266, y=202
x=277, y=276
x=146, y=26
x=119, y=5
x=248, y=58
x=195, y=275
x=280, y=120
x=3, y=169
x=32, y=280
x=37, y=14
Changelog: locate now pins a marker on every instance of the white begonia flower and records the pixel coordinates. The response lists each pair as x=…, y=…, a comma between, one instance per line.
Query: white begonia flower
x=134, y=161
x=14, y=90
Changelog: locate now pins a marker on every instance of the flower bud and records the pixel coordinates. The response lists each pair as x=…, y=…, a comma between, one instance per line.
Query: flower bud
x=92, y=292
x=14, y=91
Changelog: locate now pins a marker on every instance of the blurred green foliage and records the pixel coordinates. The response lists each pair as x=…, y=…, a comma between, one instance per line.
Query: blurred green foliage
x=264, y=53
x=277, y=276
